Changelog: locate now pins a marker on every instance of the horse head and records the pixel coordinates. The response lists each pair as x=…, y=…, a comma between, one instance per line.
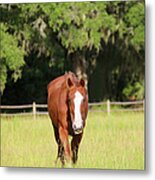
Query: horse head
x=77, y=100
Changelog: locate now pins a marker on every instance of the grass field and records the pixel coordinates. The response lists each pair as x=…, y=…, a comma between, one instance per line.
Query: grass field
x=109, y=142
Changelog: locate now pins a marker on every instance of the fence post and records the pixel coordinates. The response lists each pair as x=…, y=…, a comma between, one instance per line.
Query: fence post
x=108, y=106
x=34, y=110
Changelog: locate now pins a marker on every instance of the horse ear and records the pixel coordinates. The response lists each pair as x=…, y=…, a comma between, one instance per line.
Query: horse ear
x=69, y=83
x=82, y=83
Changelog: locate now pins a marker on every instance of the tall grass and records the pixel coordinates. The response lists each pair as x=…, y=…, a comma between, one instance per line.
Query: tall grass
x=109, y=142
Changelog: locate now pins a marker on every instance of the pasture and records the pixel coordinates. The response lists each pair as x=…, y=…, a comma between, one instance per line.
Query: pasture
x=109, y=142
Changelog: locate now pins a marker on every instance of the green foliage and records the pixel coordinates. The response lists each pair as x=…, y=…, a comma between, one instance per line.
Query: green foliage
x=134, y=91
x=79, y=24
x=11, y=56
x=135, y=19
x=3, y=76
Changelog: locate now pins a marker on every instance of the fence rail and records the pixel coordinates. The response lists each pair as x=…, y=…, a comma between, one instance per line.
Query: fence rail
x=107, y=106
x=16, y=106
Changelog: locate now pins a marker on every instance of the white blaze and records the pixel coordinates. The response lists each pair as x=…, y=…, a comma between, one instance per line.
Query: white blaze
x=77, y=113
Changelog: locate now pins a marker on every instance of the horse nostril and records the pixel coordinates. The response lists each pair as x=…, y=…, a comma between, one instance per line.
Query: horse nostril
x=81, y=127
x=74, y=126
x=77, y=128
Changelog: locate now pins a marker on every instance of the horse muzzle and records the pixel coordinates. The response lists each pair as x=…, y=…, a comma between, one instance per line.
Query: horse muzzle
x=77, y=130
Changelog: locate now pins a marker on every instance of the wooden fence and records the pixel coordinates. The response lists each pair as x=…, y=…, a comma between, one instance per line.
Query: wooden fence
x=108, y=106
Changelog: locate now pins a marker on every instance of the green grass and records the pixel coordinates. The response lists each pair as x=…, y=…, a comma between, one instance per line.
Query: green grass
x=109, y=142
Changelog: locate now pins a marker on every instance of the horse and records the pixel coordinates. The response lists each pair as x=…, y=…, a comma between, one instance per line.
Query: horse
x=68, y=108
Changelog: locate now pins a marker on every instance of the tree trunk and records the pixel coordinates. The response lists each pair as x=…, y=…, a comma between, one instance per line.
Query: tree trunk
x=79, y=66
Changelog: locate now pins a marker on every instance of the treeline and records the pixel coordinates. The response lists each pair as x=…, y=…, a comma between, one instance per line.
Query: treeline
x=102, y=42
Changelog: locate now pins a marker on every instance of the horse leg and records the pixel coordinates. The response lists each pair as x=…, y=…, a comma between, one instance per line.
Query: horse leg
x=60, y=146
x=75, y=146
x=64, y=140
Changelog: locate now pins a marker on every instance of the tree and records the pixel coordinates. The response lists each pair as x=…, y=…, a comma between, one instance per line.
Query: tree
x=119, y=71
x=11, y=56
x=34, y=51
x=79, y=28
x=93, y=39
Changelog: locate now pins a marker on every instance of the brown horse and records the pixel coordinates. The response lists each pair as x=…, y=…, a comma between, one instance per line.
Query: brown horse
x=67, y=107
